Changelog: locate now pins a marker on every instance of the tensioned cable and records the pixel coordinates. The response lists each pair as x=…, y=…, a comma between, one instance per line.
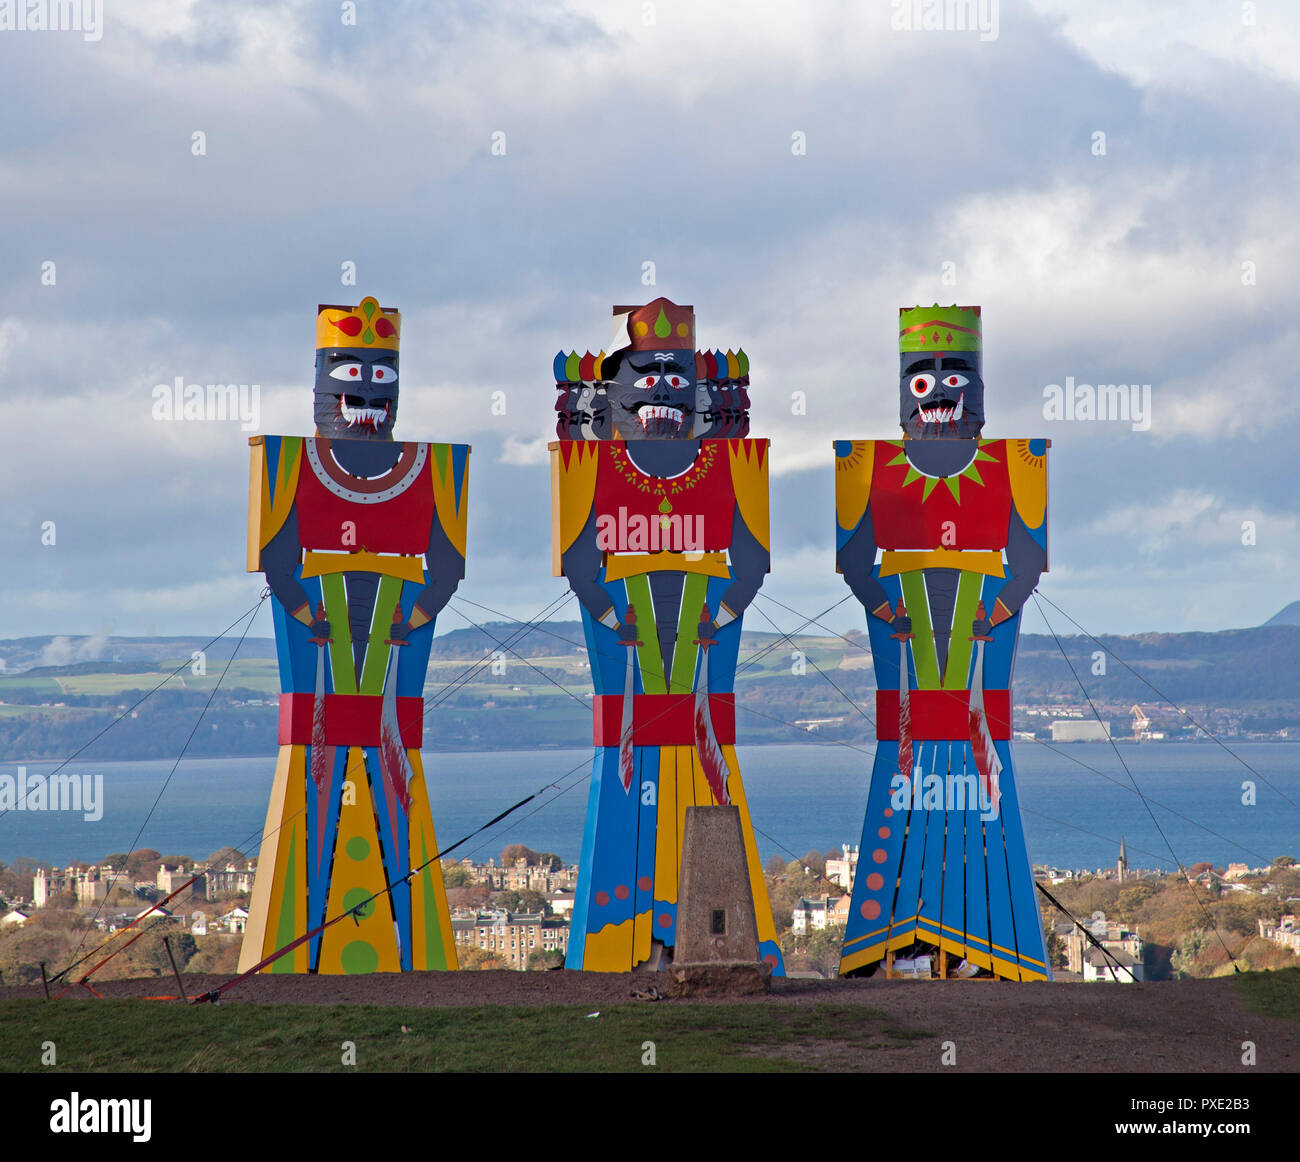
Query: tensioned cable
x=135, y=705
x=1186, y=714
x=1057, y=751
x=158, y=798
x=1096, y=714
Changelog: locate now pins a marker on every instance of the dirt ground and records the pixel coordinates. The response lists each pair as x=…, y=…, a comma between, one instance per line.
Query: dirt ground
x=1179, y=1027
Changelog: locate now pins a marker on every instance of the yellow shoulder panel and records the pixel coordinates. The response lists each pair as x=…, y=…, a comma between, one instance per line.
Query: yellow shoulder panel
x=451, y=495
x=573, y=488
x=749, y=479
x=853, y=482
x=271, y=494
x=1028, y=473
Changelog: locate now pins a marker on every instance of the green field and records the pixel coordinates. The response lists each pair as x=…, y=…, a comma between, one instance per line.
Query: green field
x=1272, y=994
x=153, y=1036
x=253, y=673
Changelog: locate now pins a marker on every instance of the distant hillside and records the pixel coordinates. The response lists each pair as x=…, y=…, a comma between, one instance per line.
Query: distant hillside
x=27, y=653
x=1288, y=616
x=1232, y=666
x=55, y=696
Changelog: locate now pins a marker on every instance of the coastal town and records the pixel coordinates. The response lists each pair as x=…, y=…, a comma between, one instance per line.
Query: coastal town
x=514, y=912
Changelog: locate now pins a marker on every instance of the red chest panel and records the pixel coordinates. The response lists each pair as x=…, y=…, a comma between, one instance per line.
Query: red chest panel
x=703, y=497
x=392, y=513
x=924, y=514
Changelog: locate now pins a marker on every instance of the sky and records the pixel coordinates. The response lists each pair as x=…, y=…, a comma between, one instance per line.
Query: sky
x=1115, y=188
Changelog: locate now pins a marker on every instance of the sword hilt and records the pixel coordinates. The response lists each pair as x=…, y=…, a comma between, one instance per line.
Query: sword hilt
x=979, y=616
x=704, y=642
x=320, y=616
x=397, y=620
x=630, y=619
x=900, y=611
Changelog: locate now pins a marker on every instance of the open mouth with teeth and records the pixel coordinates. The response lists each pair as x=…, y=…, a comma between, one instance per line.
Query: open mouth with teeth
x=362, y=416
x=660, y=419
x=942, y=411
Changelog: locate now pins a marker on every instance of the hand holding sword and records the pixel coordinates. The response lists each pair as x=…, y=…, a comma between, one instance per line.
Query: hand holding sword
x=320, y=628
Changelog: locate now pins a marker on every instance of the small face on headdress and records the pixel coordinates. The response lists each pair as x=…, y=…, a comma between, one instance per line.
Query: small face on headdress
x=356, y=371
x=941, y=388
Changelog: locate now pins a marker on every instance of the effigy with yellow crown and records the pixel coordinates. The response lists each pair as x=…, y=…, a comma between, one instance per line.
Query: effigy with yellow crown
x=362, y=542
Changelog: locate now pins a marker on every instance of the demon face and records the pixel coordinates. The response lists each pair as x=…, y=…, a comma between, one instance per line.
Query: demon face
x=652, y=395
x=941, y=395
x=356, y=393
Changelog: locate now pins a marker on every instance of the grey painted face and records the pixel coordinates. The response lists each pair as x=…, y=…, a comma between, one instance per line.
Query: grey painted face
x=593, y=413
x=941, y=395
x=356, y=393
x=707, y=414
x=652, y=395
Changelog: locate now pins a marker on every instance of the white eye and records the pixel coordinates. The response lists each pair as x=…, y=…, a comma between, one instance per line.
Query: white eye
x=646, y=382
x=921, y=385
x=678, y=381
x=955, y=381
x=381, y=374
x=349, y=371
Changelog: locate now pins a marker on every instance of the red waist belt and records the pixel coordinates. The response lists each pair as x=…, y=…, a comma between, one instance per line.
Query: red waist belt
x=350, y=719
x=942, y=714
x=661, y=719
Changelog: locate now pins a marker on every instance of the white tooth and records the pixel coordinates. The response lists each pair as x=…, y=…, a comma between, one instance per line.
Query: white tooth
x=961, y=400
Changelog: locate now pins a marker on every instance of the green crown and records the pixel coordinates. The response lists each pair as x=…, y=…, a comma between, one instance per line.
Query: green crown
x=937, y=328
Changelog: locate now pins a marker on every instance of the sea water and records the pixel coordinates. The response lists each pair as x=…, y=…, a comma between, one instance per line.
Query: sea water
x=1077, y=802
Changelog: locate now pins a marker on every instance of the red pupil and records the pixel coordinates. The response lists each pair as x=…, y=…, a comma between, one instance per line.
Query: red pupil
x=354, y=371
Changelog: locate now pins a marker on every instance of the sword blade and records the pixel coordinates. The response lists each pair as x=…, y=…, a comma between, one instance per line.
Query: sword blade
x=981, y=738
x=625, y=752
x=712, y=759
x=321, y=754
x=904, y=713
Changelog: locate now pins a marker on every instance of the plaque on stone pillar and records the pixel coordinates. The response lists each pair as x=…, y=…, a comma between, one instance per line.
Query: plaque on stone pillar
x=717, y=933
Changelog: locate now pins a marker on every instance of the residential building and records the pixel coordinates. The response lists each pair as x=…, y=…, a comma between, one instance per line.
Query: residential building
x=235, y=920
x=1285, y=932
x=843, y=869
x=1097, y=966
x=1112, y=936
x=513, y=936
x=89, y=884
x=813, y=915
x=227, y=879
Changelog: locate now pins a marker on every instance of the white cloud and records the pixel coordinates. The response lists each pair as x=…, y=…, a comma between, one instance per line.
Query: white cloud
x=1162, y=43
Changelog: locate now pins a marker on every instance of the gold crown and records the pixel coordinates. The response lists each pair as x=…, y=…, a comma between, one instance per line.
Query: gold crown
x=365, y=325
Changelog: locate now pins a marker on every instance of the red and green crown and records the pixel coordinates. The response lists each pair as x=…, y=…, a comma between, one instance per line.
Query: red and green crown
x=937, y=328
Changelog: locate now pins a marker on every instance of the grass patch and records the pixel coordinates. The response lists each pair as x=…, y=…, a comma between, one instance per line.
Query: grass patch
x=142, y=1036
x=1272, y=994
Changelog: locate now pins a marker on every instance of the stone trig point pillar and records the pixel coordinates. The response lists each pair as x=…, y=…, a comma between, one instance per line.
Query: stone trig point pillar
x=717, y=933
